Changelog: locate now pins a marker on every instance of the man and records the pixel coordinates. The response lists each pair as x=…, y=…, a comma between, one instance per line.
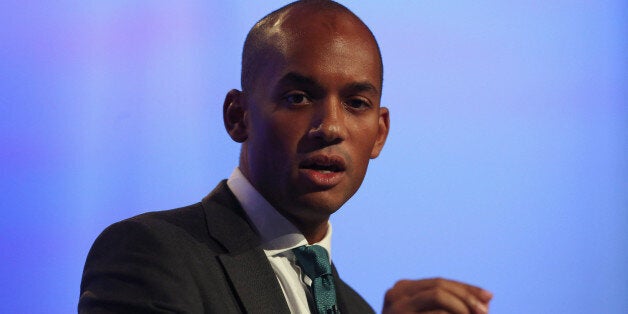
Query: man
x=309, y=120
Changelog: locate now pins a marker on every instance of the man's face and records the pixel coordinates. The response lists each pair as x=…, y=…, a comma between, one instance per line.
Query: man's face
x=314, y=119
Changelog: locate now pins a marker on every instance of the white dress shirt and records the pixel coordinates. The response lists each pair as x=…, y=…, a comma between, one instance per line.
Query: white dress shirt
x=279, y=236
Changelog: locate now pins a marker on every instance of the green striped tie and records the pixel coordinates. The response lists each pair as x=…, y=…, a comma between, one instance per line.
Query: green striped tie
x=315, y=264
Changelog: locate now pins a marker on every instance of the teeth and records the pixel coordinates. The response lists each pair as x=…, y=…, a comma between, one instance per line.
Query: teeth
x=322, y=168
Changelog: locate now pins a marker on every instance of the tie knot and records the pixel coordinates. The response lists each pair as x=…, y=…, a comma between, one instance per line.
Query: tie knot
x=314, y=260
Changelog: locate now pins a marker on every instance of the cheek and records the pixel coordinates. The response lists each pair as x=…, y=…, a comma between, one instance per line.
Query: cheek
x=283, y=133
x=365, y=138
x=276, y=139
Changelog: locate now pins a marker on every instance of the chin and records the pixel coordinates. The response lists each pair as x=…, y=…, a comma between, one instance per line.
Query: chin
x=320, y=205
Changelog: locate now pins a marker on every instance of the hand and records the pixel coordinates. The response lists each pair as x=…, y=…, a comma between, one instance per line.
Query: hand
x=436, y=295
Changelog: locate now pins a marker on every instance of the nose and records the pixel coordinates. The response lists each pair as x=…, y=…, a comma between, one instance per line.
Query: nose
x=328, y=122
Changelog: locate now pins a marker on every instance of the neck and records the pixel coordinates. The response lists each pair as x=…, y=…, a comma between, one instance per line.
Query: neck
x=313, y=231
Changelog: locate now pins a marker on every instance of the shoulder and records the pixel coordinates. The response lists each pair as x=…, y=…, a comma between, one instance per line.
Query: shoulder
x=151, y=262
x=163, y=225
x=173, y=233
x=189, y=225
x=169, y=225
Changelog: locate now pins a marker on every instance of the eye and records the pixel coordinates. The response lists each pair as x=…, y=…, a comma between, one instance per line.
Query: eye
x=358, y=103
x=297, y=99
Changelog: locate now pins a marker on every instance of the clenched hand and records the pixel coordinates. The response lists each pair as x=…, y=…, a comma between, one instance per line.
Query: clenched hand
x=436, y=295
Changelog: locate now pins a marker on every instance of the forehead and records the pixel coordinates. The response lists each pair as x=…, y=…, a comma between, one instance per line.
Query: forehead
x=331, y=43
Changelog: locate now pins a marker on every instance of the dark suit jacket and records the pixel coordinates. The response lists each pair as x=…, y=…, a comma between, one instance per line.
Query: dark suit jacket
x=202, y=258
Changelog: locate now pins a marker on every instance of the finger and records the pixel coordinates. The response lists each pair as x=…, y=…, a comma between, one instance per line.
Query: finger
x=475, y=298
x=438, y=300
x=409, y=287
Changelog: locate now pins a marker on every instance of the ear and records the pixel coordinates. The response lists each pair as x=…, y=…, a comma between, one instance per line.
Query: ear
x=234, y=116
x=382, y=132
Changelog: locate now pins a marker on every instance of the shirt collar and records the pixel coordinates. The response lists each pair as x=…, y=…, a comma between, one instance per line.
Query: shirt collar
x=278, y=233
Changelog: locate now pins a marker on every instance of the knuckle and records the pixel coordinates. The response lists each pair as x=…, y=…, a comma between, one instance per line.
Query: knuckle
x=403, y=283
x=475, y=290
x=397, y=291
x=439, y=281
x=438, y=296
x=390, y=296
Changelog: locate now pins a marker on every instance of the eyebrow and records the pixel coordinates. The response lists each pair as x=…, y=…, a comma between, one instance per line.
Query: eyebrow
x=303, y=80
x=363, y=87
x=299, y=79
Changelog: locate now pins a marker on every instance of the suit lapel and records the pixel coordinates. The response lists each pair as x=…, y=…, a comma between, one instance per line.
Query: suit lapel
x=254, y=280
x=340, y=291
x=247, y=267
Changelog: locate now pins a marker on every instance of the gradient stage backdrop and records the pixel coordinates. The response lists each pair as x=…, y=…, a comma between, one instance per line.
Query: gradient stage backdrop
x=506, y=164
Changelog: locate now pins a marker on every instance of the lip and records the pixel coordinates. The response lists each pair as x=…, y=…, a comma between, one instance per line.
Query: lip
x=322, y=179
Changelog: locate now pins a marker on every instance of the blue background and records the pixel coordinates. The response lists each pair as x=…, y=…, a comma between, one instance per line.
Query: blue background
x=506, y=164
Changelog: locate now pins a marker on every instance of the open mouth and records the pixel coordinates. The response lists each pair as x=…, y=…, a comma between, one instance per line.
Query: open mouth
x=323, y=164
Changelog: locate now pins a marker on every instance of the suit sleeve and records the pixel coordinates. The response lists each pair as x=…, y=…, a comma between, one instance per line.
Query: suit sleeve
x=133, y=268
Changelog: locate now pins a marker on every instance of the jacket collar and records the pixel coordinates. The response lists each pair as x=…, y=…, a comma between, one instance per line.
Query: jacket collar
x=245, y=264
